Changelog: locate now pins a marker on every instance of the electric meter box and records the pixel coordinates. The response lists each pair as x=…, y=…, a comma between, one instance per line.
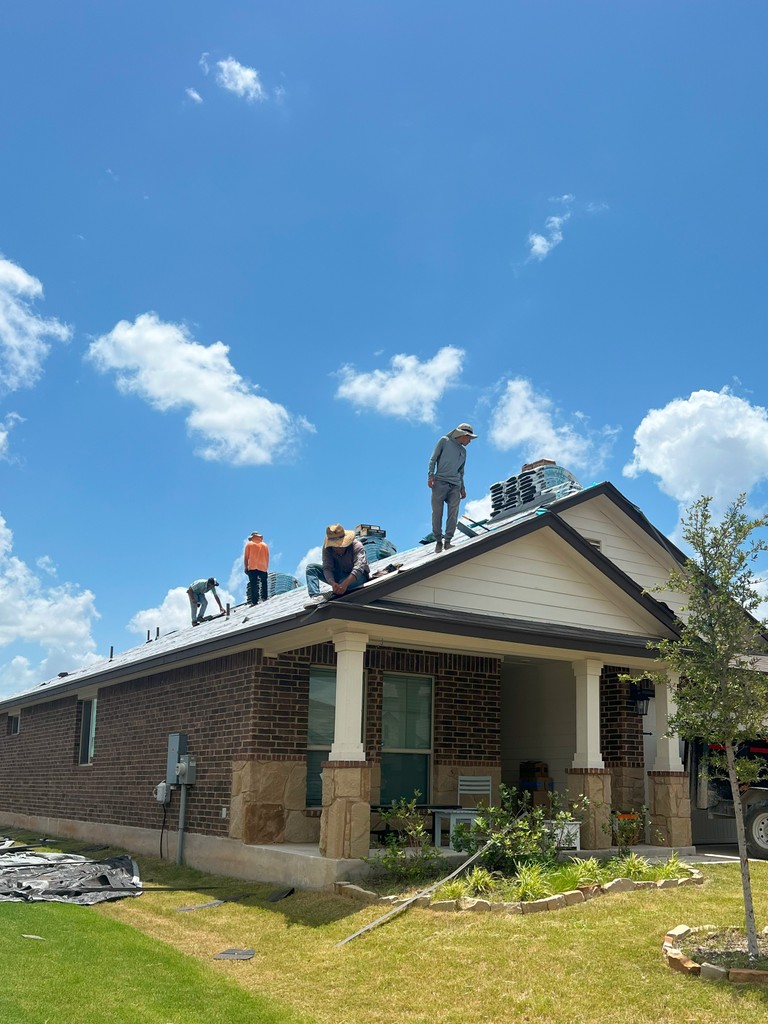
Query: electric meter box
x=177, y=748
x=187, y=770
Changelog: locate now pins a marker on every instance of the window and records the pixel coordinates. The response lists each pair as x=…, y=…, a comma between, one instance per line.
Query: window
x=322, y=716
x=87, y=730
x=14, y=725
x=406, y=737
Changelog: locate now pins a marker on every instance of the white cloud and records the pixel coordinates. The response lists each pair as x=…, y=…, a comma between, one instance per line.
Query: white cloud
x=162, y=364
x=527, y=420
x=55, y=617
x=710, y=443
x=203, y=62
x=194, y=95
x=241, y=80
x=174, y=612
x=410, y=389
x=6, y=426
x=313, y=555
x=479, y=508
x=540, y=246
x=23, y=334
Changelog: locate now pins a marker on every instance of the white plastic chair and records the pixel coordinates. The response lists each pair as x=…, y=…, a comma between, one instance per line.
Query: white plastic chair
x=480, y=788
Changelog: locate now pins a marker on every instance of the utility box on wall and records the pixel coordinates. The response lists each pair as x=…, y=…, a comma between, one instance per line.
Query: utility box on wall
x=177, y=748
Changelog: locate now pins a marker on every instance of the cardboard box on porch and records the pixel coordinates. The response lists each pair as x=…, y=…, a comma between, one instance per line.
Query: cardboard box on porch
x=536, y=782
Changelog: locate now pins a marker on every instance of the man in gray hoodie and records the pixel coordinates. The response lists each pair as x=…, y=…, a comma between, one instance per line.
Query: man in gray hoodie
x=445, y=478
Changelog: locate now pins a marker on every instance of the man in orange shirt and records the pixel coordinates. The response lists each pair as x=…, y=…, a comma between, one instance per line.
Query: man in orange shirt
x=256, y=563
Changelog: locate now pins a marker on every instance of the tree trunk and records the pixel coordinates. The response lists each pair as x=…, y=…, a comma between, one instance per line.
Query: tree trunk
x=746, y=883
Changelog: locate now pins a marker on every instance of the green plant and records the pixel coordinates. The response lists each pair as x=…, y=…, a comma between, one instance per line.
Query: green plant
x=409, y=855
x=515, y=833
x=630, y=865
x=578, y=872
x=533, y=882
x=670, y=868
x=627, y=828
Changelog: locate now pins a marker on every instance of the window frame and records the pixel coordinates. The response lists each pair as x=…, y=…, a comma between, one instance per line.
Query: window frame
x=13, y=724
x=86, y=746
x=427, y=752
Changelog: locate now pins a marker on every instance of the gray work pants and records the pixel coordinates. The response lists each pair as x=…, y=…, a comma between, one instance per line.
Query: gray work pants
x=445, y=493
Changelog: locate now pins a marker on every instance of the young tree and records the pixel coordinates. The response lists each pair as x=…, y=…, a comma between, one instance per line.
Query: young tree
x=722, y=698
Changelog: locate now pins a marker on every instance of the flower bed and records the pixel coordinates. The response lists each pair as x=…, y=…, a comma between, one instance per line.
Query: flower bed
x=557, y=902
x=728, y=945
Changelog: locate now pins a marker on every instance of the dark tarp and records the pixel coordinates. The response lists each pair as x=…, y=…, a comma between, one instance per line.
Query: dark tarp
x=27, y=876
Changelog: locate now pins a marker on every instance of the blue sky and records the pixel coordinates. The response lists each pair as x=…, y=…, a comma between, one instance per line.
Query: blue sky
x=257, y=258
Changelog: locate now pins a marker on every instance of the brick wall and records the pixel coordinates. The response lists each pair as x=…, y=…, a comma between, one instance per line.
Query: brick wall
x=234, y=708
x=621, y=728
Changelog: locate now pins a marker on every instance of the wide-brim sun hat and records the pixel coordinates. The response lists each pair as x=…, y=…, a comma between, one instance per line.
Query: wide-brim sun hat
x=337, y=537
x=463, y=430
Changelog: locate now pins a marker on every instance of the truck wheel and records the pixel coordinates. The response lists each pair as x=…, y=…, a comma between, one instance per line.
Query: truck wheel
x=756, y=827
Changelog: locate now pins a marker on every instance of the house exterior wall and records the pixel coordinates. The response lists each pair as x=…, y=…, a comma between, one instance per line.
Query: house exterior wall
x=245, y=716
x=626, y=545
x=535, y=578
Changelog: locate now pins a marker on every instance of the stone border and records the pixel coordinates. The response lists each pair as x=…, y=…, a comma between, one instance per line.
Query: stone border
x=678, y=961
x=558, y=902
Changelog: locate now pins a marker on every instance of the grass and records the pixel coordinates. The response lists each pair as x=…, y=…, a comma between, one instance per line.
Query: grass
x=595, y=963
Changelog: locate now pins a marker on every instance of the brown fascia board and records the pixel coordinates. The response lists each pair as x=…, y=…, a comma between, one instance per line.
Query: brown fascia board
x=489, y=627
x=547, y=519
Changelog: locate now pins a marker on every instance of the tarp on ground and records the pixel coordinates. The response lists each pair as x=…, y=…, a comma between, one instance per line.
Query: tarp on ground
x=27, y=876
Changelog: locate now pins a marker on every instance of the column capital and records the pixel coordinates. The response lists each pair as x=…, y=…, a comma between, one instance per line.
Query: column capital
x=349, y=640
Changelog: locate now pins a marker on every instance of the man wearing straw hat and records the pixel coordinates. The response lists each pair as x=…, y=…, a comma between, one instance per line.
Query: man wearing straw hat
x=344, y=568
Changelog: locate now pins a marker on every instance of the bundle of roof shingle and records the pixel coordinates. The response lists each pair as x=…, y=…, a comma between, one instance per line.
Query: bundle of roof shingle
x=539, y=482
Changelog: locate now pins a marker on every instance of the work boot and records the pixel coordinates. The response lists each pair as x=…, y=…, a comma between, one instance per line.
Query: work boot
x=448, y=543
x=438, y=547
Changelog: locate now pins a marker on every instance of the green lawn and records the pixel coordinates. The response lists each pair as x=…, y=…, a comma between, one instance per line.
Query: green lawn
x=91, y=969
x=596, y=962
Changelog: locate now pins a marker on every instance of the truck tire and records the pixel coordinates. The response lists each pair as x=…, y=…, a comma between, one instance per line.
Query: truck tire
x=756, y=827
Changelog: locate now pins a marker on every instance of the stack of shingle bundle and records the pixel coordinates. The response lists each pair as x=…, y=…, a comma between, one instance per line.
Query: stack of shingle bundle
x=536, y=483
x=280, y=583
x=374, y=540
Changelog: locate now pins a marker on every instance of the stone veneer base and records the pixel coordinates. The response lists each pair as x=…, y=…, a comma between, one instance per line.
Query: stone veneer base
x=558, y=902
x=678, y=961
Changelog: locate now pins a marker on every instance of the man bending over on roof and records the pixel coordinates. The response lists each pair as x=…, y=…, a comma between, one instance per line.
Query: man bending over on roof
x=344, y=568
x=198, y=602
x=445, y=477
x=256, y=561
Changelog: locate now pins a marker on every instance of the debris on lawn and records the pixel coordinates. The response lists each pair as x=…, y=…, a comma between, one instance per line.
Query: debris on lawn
x=235, y=954
x=27, y=876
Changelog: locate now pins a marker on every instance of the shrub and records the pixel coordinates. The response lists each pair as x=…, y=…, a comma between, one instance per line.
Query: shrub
x=515, y=832
x=409, y=855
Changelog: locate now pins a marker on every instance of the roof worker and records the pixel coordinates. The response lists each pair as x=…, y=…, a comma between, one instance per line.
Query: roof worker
x=345, y=566
x=445, y=478
x=198, y=602
x=255, y=565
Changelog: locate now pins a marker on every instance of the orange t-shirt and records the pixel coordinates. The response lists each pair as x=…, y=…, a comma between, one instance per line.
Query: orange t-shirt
x=256, y=555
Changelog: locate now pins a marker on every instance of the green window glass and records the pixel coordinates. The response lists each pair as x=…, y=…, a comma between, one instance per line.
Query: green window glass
x=322, y=714
x=406, y=737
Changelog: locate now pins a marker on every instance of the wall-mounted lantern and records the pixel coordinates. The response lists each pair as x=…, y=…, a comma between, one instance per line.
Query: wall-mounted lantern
x=640, y=694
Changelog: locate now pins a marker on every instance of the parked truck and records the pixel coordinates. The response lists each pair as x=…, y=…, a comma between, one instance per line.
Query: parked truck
x=713, y=793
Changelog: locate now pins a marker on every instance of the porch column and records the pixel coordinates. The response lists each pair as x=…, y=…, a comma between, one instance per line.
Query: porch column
x=668, y=784
x=587, y=675
x=667, y=747
x=345, y=823
x=588, y=775
x=348, y=726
